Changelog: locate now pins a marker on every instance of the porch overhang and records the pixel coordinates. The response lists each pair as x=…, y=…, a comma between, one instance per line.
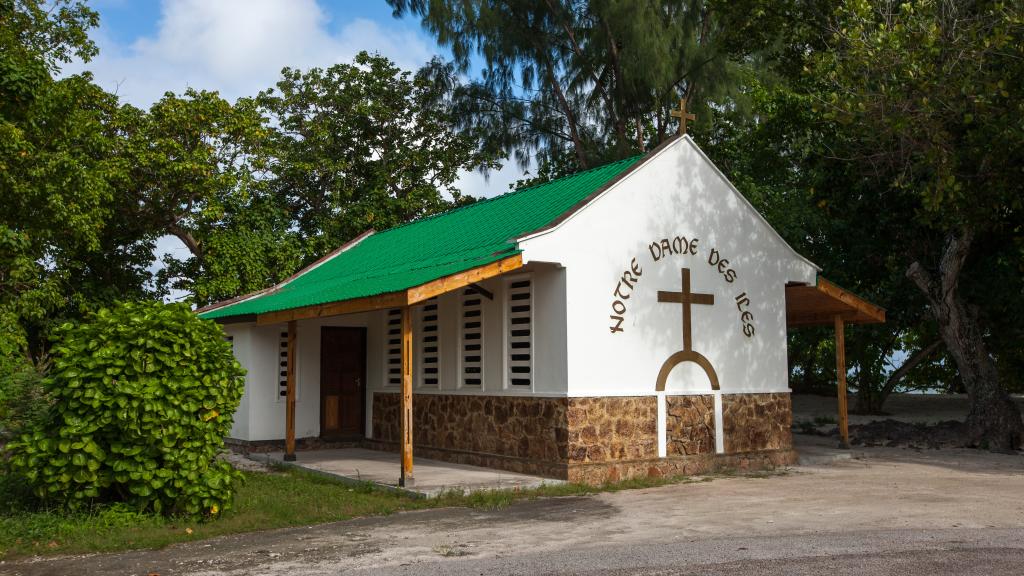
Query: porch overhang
x=824, y=304
x=401, y=299
x=819, y=305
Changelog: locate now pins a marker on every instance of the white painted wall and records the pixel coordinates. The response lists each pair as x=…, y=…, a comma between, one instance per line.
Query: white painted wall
x=549, y=369
x=677, y=192
x=241, y=345
x=261, y=414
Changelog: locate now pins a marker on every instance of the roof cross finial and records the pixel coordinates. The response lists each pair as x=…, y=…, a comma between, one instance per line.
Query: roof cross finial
x=683, y=116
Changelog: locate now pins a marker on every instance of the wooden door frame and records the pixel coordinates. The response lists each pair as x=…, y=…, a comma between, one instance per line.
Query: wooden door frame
x=362, y=398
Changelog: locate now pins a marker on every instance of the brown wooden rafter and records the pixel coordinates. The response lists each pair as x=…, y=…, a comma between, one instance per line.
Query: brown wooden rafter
x=819, y=305
x=398, y=299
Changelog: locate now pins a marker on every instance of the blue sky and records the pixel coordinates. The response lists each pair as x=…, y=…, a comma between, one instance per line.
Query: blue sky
x=238, y=48
x=126, y=20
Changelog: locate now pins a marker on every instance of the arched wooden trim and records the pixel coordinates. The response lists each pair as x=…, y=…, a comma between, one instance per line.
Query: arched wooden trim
x=686, y=356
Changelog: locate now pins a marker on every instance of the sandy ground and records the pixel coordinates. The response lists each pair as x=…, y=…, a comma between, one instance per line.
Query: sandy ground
x=924, y=408
x=896, y=511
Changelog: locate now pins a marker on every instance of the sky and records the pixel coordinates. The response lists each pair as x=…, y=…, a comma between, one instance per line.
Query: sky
x=238, y=47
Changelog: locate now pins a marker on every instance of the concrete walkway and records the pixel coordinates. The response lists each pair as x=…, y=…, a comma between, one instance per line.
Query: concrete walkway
x=433, y=477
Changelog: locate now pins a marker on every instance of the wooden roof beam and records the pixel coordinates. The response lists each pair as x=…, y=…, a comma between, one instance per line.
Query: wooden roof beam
x=353, y=306
x=464, y=278
x=877, y=313
x=822, y=303
x=398, y=299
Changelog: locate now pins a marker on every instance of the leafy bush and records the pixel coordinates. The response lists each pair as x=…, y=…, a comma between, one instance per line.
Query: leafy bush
x=143, y=395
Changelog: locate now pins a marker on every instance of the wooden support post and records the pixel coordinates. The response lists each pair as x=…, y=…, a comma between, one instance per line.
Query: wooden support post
x=844, y=428
x=406, y=479
x=289, y=418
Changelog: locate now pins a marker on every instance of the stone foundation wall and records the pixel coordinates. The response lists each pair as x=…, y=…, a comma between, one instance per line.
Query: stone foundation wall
x=517, y=433
x=604, y=472
x=755, y=422
x=690, y=425
x=607, y=428
x=591, y=440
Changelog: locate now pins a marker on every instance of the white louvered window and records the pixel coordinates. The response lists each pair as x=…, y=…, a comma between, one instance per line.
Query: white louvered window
x=472, y=341
x=393, y=357
x=282, y=380
x=429, y=344
x=520, y=332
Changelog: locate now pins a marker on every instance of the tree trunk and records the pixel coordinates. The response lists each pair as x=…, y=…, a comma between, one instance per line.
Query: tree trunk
x=186, y=238
x=865, y=400
x=570, y=118
x=994, y=420
x=872, y=403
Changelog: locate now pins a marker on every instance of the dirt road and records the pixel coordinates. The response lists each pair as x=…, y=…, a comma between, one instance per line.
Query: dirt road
x=897, y=511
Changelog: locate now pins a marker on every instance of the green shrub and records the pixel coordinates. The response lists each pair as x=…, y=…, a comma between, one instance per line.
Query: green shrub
x=143, y=395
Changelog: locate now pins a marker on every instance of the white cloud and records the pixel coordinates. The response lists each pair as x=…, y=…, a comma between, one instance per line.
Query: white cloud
x=238, y=47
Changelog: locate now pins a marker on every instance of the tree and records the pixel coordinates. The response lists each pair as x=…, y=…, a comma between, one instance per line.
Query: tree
x=926, y=89
x=60, y=167
x=251, y=245
x=196, y=165
x=364, y=145
x=783, y=159
x=593, y=80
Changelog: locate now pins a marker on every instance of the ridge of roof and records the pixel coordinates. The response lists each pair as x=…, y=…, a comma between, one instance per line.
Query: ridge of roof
x=511, y=193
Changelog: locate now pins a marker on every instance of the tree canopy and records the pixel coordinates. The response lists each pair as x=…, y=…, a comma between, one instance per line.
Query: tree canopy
x=592, y=80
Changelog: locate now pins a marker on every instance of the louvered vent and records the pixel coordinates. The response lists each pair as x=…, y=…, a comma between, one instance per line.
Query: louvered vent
x=394, y=348
x=429, y=344
x=520, y=332
x=282, y=381
x=472, y=328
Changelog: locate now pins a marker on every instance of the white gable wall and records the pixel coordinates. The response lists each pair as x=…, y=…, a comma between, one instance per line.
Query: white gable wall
x=678, y=192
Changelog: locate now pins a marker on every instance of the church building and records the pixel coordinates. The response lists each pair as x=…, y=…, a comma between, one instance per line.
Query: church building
x=625, y=321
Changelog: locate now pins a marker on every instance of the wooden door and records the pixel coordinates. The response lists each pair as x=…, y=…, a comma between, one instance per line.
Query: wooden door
x=342, y=382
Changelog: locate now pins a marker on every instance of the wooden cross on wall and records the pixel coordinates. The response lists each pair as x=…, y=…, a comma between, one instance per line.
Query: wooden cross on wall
x=683, y=116
x=686, y=298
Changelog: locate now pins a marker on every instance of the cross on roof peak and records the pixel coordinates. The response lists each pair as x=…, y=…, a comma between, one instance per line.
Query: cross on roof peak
x=683, y=116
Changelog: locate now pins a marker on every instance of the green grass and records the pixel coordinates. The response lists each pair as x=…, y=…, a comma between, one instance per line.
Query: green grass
x=286, y=497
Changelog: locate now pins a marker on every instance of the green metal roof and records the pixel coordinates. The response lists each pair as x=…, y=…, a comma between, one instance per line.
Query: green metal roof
x=431, y=247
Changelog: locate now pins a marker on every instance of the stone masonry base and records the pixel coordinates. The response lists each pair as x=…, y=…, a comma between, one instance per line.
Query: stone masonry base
x=691, y=465
x=591, y=440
